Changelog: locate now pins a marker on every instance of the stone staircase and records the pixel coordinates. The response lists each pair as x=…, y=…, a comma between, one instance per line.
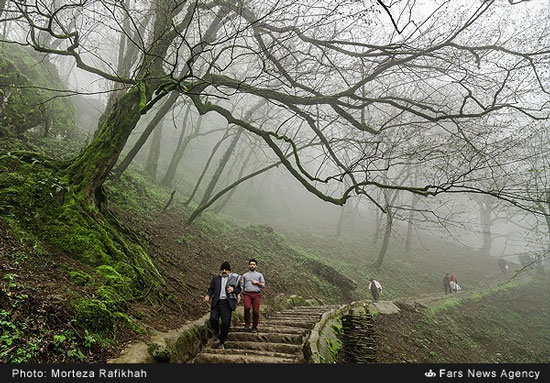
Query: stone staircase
x=280, y=339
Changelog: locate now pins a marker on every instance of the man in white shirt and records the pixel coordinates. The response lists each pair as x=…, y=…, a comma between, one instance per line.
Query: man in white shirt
x=375, y=289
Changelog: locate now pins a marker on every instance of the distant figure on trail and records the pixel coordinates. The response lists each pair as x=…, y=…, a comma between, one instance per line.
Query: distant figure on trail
x=222, y=295
x=453, y=283
x=375, y=289
x=252, y=283
x=503, y=265
x=446, y=283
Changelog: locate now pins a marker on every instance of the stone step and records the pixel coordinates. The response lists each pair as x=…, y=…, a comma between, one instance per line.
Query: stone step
x=287, y=323
x=279, y=340
x=265, y=337
x=265, y=346
x=309, y=318
x=312, y=308
x=272, y=329
x=298, y=314
x=252, y=353
x=312, y=314
x=206, y=357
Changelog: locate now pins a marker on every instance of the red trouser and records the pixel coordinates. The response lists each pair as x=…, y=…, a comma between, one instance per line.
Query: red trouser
x=251, y=300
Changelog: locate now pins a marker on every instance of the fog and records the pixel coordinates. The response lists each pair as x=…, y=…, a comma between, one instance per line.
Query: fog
x=453, y=146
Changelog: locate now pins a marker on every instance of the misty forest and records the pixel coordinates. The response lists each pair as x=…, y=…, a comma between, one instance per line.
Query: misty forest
x=143, y=143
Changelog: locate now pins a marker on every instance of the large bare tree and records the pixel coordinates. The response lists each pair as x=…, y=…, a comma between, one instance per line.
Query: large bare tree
x=442, y=84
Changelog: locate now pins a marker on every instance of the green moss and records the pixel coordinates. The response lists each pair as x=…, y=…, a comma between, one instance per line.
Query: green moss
x=80, y=277
x=111, y=298
x=188, y=344
x=125, y=321
x=136, y=193
x=158, y=353
x=111, y=276
x=93, y=315
x=27, y=103
x=38, y=198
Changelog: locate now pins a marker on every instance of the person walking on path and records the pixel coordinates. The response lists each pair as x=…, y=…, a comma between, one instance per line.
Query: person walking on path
x=252, y=283
x=503, y=265
x=447, y=284
x=375, y=289
x=222, y=295
x=452, y=282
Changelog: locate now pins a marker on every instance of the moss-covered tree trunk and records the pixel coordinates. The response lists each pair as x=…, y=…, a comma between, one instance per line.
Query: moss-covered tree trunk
x=145, y=135
x=88, y=171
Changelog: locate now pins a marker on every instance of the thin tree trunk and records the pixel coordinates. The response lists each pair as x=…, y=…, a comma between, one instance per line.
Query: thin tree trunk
x=224, y=202
x=205, y=168
x=205, y=206
x=221, y=166
x=159, y=115
x=228, y=152
x=151, y=164
x=341, y=221
x=169, y=201
x=386, y=241
x=485, y=212
x=487, y=241
x=408, y=239
x=377, y=228
x=178, y=153
x=2, y=6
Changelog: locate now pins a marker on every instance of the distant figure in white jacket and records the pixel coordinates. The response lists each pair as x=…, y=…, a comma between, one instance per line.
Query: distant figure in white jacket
x=375, y=289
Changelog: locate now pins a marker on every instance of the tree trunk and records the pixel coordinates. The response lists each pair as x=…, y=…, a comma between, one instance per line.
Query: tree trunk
x=202, y=208
x=180, y=149
x=224, y=202
x=485, y=212
x=151, y=164
x=169, y=201
x=2, y=6
x=377, y=228
x=166, y=106
x=89, y=170
x=408, y=238
x=341, y=221
x=386, y=241
x=486, y=232
x=221, y=166
x=205, y=169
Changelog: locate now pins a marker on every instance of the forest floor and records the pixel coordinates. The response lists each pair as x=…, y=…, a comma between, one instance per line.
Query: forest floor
x=36, y=286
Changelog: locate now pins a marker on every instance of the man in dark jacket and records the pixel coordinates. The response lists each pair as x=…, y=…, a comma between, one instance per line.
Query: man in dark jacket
x=222, y=295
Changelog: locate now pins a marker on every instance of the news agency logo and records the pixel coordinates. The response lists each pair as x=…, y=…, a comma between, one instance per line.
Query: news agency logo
x=430, y=374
